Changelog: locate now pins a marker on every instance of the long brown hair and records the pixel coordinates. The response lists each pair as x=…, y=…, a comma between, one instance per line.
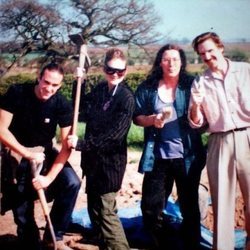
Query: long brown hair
x=156, y=72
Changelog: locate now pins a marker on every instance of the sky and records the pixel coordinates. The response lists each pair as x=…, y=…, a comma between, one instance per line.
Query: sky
x=185, y=19
x=230, y=19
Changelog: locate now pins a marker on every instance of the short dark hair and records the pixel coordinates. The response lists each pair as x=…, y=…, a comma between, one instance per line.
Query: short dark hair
x=114, y=53
x=52, y=67
x=205, y=36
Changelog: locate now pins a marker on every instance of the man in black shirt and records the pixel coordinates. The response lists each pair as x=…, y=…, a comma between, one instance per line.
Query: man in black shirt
x=29, y=116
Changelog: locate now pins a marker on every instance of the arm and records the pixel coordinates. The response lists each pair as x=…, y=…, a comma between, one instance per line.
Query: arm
x=195, y=113
x=156, y=120
x=61, y=159
x=10, y=141
x=63, y=155
x=144, y=120
x=142, y=116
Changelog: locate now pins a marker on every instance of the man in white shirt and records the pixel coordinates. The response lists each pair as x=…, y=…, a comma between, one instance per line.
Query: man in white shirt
x=220, y=99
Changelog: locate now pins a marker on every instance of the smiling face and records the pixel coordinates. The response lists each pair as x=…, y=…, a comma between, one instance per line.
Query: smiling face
x=171, y=63
x=115, y=71
x=211, y=54
x=48, y=84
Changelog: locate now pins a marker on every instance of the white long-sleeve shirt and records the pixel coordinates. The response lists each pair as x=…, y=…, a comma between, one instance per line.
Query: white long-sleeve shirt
x=226, y=104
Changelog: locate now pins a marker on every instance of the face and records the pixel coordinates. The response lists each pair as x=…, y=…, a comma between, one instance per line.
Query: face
x=48, y=84
x=115, y=71
x=210, y=54
x=171, y=63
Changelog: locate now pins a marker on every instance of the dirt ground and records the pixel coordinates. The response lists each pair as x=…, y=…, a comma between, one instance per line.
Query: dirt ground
x=128, y=196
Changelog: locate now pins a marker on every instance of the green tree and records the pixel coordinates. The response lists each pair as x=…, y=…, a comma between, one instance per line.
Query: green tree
x=238, y=55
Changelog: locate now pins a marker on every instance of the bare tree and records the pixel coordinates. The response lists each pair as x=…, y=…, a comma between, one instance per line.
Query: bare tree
x=40, y=27
x=29, y=24
x=113, y=22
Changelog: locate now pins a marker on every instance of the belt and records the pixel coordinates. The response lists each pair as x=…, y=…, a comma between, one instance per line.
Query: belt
x=232, y=130
x=237, y=129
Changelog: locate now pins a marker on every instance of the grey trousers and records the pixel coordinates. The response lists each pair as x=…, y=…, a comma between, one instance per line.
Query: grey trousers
x=103, y=215
x=228, y=163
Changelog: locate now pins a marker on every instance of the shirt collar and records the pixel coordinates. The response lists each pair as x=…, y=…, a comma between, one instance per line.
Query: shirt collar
x=231, y=69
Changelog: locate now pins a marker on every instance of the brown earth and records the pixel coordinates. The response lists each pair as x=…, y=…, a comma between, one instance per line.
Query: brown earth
x=128, y=196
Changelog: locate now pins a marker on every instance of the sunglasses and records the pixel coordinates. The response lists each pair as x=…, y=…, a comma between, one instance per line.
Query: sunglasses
x=111, y=71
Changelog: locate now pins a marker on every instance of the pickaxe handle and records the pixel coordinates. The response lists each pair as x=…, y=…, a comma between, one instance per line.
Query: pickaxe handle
x=0, y=178
x=82, y=58
x=45, y=208
x=35, y=171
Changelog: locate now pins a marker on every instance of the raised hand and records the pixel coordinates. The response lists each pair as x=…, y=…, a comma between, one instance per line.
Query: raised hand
x=198, y=94
x=72, y=141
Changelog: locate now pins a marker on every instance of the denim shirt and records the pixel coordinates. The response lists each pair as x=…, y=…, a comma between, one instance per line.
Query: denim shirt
x=145, y=97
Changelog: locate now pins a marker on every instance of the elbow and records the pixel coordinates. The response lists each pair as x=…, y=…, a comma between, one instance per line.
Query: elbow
x=135, y=121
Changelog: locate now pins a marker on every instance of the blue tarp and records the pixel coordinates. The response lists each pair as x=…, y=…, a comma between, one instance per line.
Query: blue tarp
x=131, y=219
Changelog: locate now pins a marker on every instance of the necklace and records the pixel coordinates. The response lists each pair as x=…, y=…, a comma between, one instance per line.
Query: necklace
x=107, y=104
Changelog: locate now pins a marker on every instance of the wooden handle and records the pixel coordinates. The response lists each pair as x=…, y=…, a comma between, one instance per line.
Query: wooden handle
x=45, y=208
x=43, y=201
x=82, y=57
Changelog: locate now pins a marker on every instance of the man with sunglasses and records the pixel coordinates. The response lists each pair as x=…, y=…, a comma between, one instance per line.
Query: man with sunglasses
x=107, y=111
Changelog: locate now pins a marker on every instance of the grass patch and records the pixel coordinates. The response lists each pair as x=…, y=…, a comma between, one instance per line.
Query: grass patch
x=134, y=139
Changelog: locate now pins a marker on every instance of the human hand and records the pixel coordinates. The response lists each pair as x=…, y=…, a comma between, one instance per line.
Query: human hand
x=198, y=94
x=72, y=141
x=161, y=118
x=41, y=182
x=35, y=154
x=37, y=157
x=79, y=73
x=159, y=121
x=166, y=113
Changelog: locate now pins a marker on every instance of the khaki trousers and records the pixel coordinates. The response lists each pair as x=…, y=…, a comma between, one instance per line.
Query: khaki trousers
x=103, y=214
x=228, y=162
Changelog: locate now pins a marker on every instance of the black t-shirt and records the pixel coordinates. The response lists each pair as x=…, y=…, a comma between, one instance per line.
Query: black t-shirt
x=34, y=121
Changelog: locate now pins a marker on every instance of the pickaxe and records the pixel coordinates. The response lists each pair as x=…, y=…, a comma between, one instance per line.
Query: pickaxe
x=36, y=168
x=84, y=63
x=0, y=178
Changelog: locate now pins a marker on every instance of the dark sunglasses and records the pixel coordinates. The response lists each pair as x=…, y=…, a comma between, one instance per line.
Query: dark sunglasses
x=111, y=71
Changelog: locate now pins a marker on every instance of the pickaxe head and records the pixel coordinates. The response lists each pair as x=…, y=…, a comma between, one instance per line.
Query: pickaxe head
x=77, y=39
x=84, y=60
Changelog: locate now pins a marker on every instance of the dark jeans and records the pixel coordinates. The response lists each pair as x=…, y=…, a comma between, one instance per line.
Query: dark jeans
x=63, y=191
x=157, y=186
